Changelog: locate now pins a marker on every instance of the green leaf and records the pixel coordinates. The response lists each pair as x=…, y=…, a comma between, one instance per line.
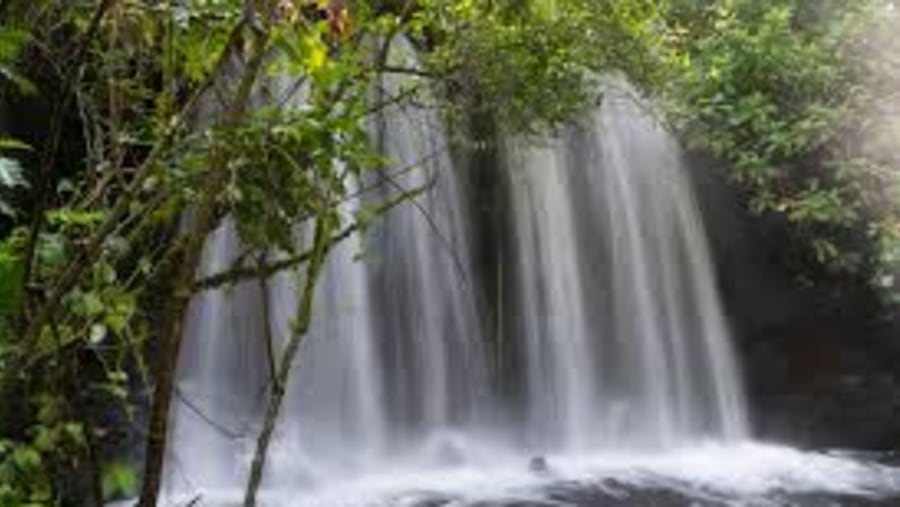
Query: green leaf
x=52, y=250
x=75, y=433
x=44, y=439
x=8, y=143
x=11, y=174
x=119, y=481
x=98, y=333
x=87, y=304
x=10, y=283
x=69, y=217
x=26, y=458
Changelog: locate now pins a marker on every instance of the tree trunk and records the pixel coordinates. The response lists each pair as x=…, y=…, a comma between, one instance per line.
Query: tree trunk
x=321, y=245
x=206, y=219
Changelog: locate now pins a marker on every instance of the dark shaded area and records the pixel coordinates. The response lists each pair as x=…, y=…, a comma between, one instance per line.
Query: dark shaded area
x=819, y=349
x=30, y=118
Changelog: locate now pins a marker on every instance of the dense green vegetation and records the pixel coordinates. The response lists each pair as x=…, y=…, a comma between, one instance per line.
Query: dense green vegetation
x=795, y=96
x=131, y=129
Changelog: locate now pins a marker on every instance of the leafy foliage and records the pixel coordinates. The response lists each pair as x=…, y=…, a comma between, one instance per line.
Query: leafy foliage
x=781, y=90
x=12, y=40
x=27, y=468
x=119, y=481
x=531, y=65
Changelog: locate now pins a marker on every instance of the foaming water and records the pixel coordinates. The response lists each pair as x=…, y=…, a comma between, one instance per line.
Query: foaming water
x=706, y=474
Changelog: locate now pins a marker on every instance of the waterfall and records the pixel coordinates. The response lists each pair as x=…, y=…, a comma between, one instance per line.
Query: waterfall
x=338, y=371
x=615, y=315
x=220, y=377
x=625, y=336
x=423, y=284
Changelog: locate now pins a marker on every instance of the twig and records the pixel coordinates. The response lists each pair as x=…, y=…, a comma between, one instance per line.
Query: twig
x=49, y=154
x=233, y=435
x=240, y=273
x=267, y=323
x=409, y=71
x=432, y=224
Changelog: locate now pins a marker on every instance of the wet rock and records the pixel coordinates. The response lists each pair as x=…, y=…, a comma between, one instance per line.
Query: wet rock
x=820, y=357
x=538, y=465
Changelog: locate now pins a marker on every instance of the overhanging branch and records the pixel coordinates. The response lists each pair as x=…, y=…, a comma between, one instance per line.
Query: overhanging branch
x=241, y=273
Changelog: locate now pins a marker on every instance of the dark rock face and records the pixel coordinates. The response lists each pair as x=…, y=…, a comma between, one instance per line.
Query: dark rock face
x=538, y=465
x=821, y=360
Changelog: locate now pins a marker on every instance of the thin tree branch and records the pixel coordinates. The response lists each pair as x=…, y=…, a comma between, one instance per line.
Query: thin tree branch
x=321, y=246
x=408, y=71
x=219, y=427
x=242, y=273
x=48, y=159
x=268, y=337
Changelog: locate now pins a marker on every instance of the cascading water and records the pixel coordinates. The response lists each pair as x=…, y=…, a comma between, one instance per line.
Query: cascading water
x=423, y=283
x=393, y=360
x=623, y=343
x=213, y=402
x=625, y=337
x=338, y=371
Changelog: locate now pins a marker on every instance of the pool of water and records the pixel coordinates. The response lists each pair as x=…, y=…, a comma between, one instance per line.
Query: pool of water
x=749, y=474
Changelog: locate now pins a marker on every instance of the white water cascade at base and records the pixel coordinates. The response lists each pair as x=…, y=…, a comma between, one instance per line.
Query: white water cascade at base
x=739, y=475
x=626, y=371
